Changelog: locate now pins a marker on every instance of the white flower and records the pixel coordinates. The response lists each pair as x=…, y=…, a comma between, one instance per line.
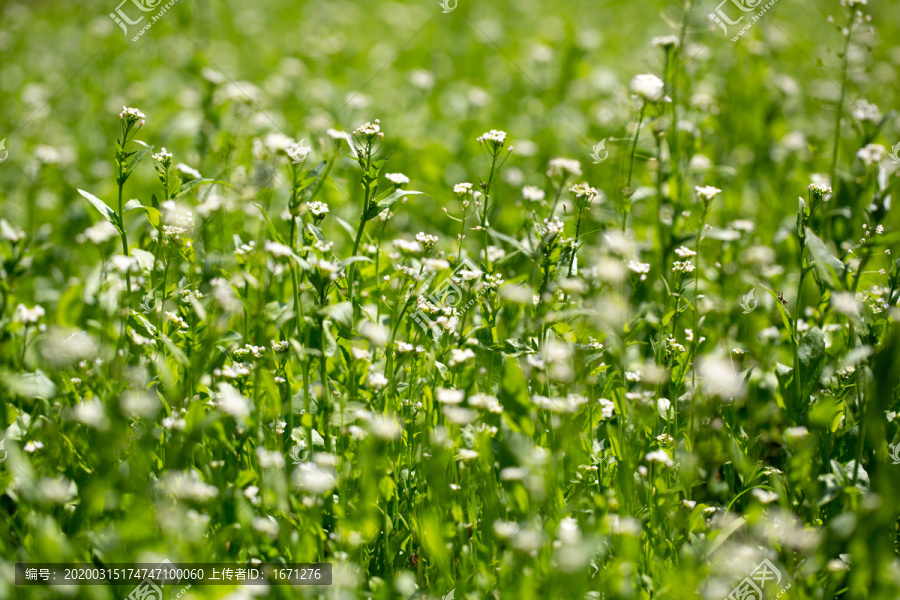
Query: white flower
x=29, y=315
x=33, y=446
x=101, y=231
x=871, y=154
x=397, y=178
x=163, y=156
x=796, y=433
x=722, y=379
x=532, y=193
x=494, y=136
x=91, y=413
x=377, y=380
x=866, y=111
x=660, y=456
x=683, y=267
x=132, y=115
x=174, y=423
x=649, y=87
x=665, y=41
x=461, y=189
x=564, y=166
x=685, y=252
x=298, y=152
x=278, y=250
x=583, y=190
x=845, y=303
x=707, y=192
x=607, y=408
x=450, y=396
x=466, y=454
x=360, y=353
x=458, y=357
x=385, y=427
x=370, y=130
x=640, y=268
x=486, y=402
x=232, y=402
x=187, y=172
x=318, y=209
x=269, y=458
x=764, y=496
x=314, y=479
x=407, y=246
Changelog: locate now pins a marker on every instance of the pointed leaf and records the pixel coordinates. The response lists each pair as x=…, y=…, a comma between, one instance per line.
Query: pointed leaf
x=108, y=213
x=827, y=265
x=386, y=202
x=137, y=159
x=187, y=187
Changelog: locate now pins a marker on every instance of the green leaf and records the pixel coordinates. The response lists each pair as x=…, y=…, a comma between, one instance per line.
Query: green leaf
x=133, y=205
x=812, y=360
x=137, y=159
x=514, y=396
x=187, y=187
x=108, y=213
x=385, y=202
x=828, y=266
x=341, y=313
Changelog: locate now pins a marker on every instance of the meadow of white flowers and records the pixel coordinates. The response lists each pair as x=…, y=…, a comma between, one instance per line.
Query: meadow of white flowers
x=466, y=300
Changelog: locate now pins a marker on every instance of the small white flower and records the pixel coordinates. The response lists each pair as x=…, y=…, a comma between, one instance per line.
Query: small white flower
x=29, y=315
x=397, y=178
x=458, y=357
x=33, y=446
x=188, y=172
x=871, y=154
x=450, y=396
x=649, y=87
x=764, y=496
x=370, y=130
x=377, y=380
x=532, y=193
x=460, y=189
x=132, y=115
x=707, y=192
x=278, y=250
x=660, y=456
x=318, y=209
x=665, y=41
x=494, y=136
x=163, y=156
x=564, y=166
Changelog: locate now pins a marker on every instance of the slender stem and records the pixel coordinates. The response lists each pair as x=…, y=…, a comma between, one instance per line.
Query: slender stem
x=626, y=208
x=840, y=108
x=122, y=225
